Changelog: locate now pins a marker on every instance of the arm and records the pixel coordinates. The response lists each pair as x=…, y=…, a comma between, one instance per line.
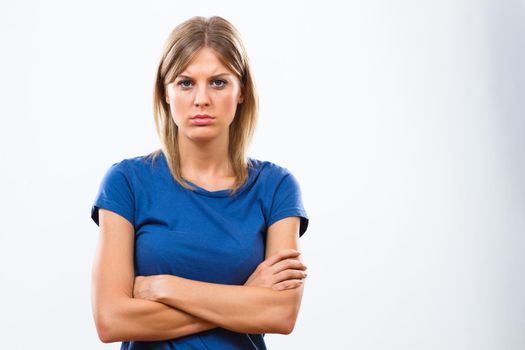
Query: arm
x=118, y=316
x=284, y=234
x=245, y=309
x=135, y=319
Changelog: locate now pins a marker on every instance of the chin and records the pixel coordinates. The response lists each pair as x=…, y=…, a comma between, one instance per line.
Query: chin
x=201, y=135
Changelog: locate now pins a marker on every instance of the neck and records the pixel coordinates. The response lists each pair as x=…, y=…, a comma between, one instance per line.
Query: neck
x=205, y=159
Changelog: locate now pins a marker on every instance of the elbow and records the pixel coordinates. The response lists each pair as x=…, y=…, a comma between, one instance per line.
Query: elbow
x=281, y=320
x=105, y=329
x=290, y=311
x=111, y=318
x=285, y=326
x=105, y=337
x=288, y=324
x=285, y=322
x=105, y=324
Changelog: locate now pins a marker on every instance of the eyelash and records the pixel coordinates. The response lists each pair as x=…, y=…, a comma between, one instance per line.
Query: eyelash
x=224, y=82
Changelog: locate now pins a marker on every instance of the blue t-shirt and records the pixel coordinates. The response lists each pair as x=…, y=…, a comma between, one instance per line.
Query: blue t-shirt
x=203, y=235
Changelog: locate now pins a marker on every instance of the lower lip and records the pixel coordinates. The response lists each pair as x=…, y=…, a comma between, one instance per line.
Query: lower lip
x=201, y=121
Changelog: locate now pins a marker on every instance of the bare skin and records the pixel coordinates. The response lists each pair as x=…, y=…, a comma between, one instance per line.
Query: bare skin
x=252, y=308
x=204, y=148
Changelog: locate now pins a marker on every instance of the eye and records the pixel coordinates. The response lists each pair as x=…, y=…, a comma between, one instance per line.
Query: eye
x=223, y=82
x=182, y=82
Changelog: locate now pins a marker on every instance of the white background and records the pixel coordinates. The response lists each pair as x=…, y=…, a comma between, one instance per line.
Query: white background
x=402, y=120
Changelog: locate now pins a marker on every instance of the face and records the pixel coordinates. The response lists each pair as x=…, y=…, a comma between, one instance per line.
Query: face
x=206, y=86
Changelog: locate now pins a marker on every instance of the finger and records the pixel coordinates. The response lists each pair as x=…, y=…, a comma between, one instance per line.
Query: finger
x=280, y=255
x=282, y=265
x=289, y=275
x=289, y=284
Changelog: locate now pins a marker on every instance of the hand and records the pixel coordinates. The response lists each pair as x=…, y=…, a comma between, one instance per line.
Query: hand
x=148, y=287
x=281, y=271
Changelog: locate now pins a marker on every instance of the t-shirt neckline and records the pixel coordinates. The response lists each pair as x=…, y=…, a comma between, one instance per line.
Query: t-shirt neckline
x=218, y=193
x=202, y=190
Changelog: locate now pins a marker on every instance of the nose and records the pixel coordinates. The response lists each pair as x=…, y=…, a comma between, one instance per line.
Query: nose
x=201, y=97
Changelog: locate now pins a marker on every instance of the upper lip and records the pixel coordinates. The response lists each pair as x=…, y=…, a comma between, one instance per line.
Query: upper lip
x=201, y=116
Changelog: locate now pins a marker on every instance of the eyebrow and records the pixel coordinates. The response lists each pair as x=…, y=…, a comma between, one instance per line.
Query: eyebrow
x=213, y=76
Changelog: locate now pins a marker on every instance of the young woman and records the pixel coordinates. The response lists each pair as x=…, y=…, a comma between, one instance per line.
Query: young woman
x=199, y=244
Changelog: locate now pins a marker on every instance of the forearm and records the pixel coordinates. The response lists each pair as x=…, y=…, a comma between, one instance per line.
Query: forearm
x=138, y=319
x=244, y=309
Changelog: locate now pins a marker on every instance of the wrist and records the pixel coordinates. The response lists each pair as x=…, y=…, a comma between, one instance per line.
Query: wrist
x=164, y=288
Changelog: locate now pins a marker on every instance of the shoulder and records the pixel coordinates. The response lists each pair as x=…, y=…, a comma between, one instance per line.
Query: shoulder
x=273, y=176
x=117, y=169
x=268, y=168
x=125, y=171
x=138, y=164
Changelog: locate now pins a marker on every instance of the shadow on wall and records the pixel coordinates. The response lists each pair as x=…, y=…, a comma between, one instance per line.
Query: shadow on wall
x=505, y=25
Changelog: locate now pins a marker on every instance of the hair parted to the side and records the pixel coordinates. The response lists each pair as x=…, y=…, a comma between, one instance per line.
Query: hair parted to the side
x=185, y=40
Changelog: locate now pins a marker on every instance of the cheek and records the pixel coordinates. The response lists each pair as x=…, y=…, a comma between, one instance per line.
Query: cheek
x=180, y=106
x=229, y=102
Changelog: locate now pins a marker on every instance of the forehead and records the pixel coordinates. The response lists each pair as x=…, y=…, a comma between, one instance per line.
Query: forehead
x=207, y=63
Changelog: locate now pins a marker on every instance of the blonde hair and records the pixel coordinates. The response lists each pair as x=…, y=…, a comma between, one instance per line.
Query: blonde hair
x=183, y=43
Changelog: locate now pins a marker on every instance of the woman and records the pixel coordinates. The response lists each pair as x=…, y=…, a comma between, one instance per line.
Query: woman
x=198, y=244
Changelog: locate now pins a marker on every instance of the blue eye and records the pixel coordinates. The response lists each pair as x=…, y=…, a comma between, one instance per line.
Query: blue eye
x=222, y=81
x=183, y=83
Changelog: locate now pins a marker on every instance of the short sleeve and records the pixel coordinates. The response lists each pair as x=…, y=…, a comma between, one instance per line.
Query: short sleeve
x=287, y=201
x=115, y=193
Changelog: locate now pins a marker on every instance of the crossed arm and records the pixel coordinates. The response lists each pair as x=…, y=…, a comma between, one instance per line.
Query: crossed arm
x=182, y=306
x=243, y=309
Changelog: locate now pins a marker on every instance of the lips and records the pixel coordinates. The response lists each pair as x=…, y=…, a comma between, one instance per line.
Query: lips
x=202, y=119
x=201, y=116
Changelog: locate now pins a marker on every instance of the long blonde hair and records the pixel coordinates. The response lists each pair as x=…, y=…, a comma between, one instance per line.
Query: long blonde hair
x=183, y=43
